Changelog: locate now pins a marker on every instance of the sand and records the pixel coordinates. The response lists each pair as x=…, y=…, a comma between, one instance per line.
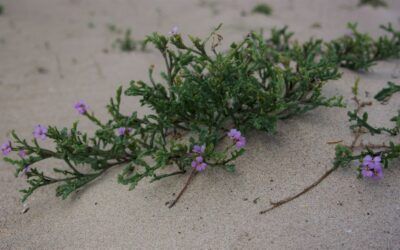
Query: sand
x=52, y=54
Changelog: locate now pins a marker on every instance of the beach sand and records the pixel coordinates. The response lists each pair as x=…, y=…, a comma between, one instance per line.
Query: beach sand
x=53, y=53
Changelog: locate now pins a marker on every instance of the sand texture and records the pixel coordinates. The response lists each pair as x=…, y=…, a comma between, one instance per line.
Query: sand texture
x=55, y=52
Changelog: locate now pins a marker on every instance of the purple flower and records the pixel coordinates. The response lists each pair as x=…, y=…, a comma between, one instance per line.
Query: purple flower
x=241, y=142
x=174, y=31
x=124, y=131
x=235, y=135
x=372, y=167
x=199, y=149
x=40, y=132
x=25, y=170
x=22, y=153
x=81, y=107
x=6, y=148
x=198, y=164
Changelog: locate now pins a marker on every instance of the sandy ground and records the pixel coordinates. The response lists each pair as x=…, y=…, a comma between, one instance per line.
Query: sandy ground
x=52, y=54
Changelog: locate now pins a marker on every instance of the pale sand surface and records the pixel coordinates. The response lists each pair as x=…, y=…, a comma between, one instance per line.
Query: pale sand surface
x=217, y=211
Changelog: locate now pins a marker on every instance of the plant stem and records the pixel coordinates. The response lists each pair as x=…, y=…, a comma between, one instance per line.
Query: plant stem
x=288, y=199
x=158, y=177
x=192, y=174
x=72, y=167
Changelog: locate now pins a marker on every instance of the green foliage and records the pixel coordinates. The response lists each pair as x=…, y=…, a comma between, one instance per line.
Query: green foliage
x=362, y=122
x=343, y=156
x=359, y=51
x=387, y=151
x=373, y=3
x=387, y=92
x=200, y=96
x=1, y=9
x=262, y=8
x=128, y=44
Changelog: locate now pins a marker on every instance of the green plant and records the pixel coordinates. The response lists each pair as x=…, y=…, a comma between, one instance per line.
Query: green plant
x=127, y=43
x=373, y=3
x=370, y=159
x=359, y=51
x=387, y=92
x=204, y=96
x=361, y=153
x=262, y=8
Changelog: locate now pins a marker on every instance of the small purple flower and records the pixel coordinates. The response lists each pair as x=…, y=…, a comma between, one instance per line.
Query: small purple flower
x=6, y=148
x=22, y=153
x=81, y=107
x=372, y=167
x=174, y=31
x=40, y=132
x=241, y=142
x=25, y=170
x=199, y=149
x=198, y=164
x=124, y=131
x=235, y=135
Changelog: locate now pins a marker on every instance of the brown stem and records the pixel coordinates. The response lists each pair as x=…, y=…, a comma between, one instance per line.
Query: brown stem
x=192, y=174
x=288, y=199
x=357, y=136
x=334, y=142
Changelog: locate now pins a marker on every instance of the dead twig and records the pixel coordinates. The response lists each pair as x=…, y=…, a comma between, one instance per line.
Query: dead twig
x=192, y=174
x=307, y=189
x=334, y=142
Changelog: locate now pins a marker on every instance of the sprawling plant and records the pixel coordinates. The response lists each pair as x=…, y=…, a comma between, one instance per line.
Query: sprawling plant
x=359, y=51
x=373, y=3
x=202, y=105
x=371, y=158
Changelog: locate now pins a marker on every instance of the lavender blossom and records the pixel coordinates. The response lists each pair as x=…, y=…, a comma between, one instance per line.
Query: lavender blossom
x=40, y=132
x=239, y=140
x=81, y=107
x=6, y=148
x=124, y=131
x=25, y=170
x=22, y=153
x=174, y=31
x=372, y=167
x=199, y=149
x=234, y=134
x=198, y=164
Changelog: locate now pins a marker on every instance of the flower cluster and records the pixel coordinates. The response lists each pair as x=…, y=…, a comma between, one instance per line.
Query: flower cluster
x=199, y=149
x=81, y=107
x=236, y=136
x=22, y=153
x=198, y=163
x=372, y=167
x=6, y=147
x=40, y=132
x=123, y=131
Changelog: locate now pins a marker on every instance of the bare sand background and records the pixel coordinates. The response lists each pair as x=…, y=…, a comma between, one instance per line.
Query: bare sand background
x=52, y=54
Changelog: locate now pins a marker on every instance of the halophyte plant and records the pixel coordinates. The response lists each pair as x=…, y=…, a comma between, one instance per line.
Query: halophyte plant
x=369, y=159
x=202, y=107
